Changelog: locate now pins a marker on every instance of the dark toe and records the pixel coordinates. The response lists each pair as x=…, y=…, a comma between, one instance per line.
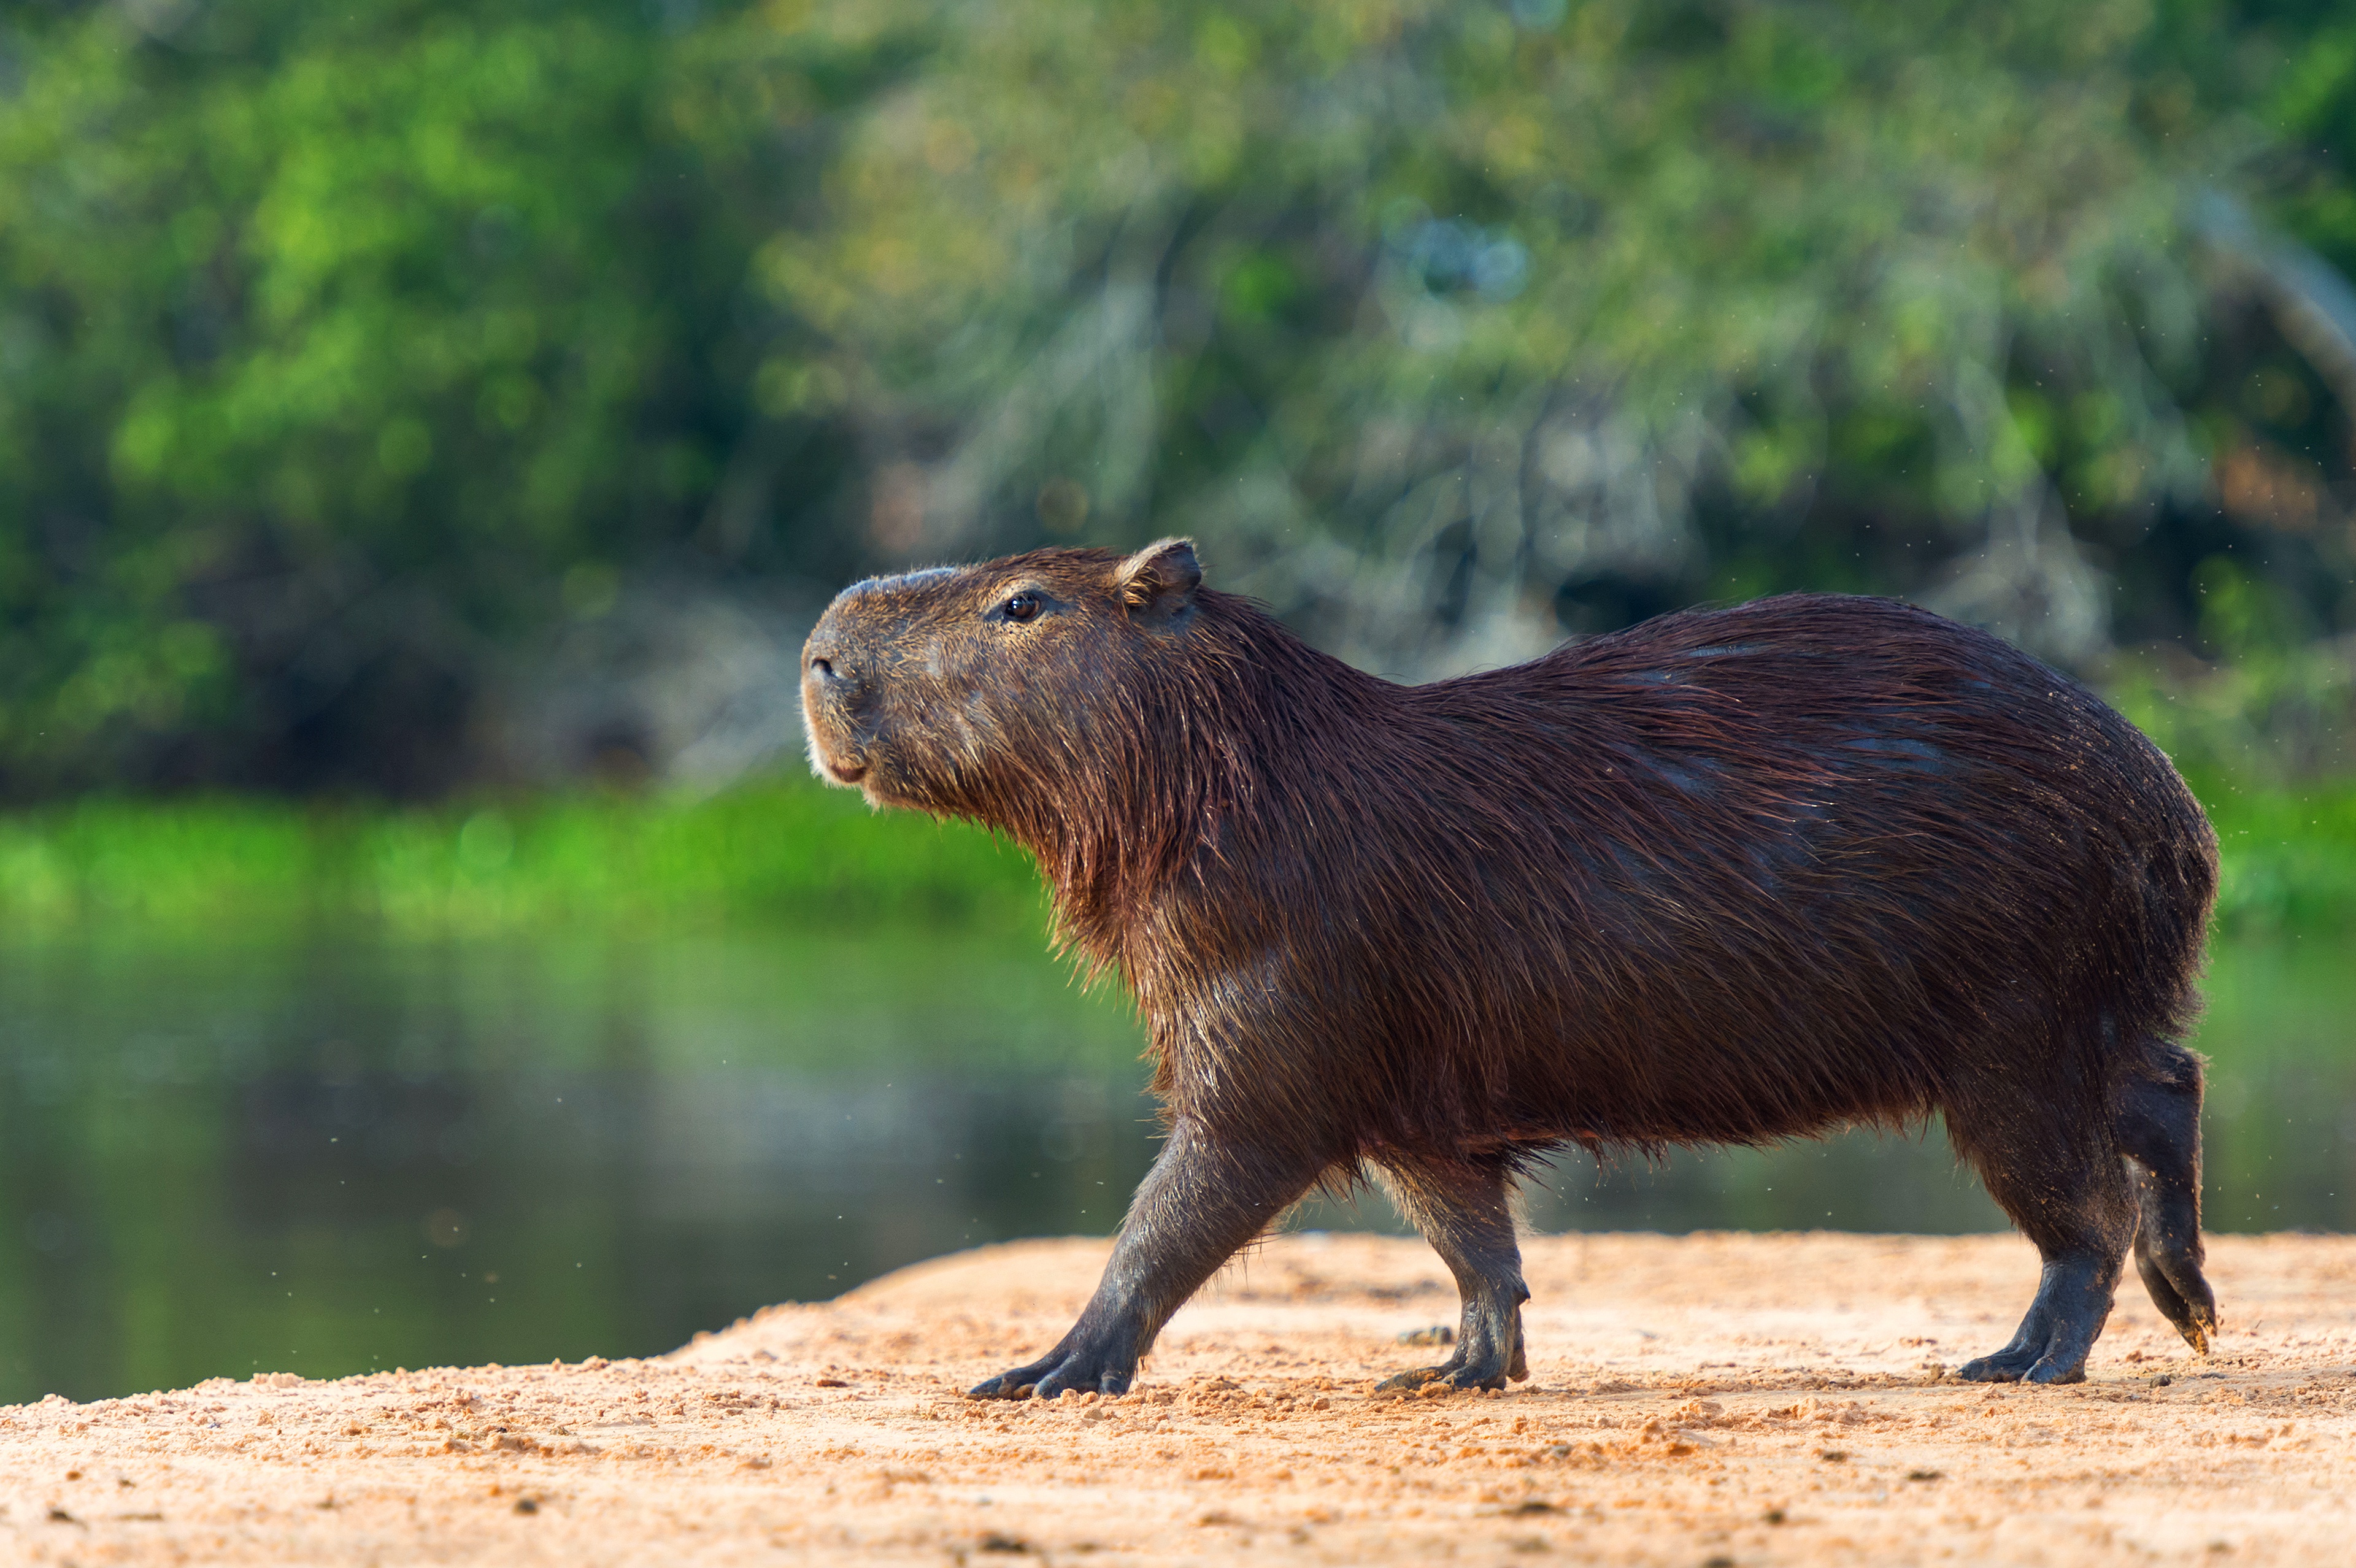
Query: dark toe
x=1455, y=1374
x=1006, y=1385
x=1082, y=1376
x=2000, y=1368
x=2182, y=1295
x=2048, y=1370
x=2200, y=1325
x=2171, y=1303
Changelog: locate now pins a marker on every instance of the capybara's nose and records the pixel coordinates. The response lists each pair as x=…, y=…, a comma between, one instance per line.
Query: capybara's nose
x=823, y=659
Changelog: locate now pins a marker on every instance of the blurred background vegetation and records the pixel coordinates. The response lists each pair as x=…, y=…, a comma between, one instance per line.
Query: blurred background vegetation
x=427, y=430
x=405, y=403
x=401, y=397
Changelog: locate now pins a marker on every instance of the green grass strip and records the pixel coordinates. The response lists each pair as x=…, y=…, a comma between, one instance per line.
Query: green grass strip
x=776, y=851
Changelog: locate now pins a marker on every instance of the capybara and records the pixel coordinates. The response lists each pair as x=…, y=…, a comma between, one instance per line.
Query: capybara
x=1729, y=876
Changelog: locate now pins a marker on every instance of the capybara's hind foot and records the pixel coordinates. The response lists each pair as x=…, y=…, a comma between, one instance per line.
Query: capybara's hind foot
x=2158, y=1120
x=2190, y=1306
x=1477, y=1363
x=1447, y=1375
x=2004, y=1367
x=2073, y=1299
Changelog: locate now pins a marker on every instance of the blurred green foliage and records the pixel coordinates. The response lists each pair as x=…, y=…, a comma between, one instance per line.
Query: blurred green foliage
x=1440, y=316
x=2268, y=705
x=345, y=350
x=1458, y=327
x=2288, y=858
x=332, y=340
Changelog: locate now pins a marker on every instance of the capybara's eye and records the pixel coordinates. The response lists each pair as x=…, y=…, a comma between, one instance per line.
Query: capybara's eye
x=1022, y=607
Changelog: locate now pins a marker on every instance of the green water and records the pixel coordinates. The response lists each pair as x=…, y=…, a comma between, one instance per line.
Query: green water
x=333, y=1153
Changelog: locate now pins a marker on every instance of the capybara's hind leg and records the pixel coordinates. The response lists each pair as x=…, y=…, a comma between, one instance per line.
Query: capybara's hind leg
x=1205, y=1197
x=1463, y=1209
x=2159, y=1124
x=2066, y=1187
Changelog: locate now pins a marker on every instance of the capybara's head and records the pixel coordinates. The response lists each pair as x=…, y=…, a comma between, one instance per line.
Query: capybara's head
x=989, y=691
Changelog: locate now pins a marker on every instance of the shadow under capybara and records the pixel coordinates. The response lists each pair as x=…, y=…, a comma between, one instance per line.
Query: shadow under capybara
x=1728, y=876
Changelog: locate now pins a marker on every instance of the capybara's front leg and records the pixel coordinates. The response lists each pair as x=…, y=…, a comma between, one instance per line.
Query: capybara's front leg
x=1205, y=1197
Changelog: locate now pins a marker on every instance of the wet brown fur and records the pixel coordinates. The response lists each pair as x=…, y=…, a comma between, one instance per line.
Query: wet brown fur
x=1728, y=876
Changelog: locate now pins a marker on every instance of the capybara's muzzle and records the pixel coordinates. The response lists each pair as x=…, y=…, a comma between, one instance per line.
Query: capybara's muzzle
x=831, y=701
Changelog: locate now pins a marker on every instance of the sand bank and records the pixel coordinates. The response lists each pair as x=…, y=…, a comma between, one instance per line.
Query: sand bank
x=1701, y=1401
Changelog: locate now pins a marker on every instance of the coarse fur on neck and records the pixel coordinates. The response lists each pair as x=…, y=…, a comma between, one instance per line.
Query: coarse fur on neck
x=1209, y=732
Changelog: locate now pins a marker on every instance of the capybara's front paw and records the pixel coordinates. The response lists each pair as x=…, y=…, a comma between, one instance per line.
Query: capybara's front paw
x=1086, y=1371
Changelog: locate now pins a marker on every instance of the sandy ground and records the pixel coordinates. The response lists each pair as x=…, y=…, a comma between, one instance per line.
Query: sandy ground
x=1704, y=1401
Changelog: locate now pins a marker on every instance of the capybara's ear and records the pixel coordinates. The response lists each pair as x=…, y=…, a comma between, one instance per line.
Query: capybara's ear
x=1160, y=578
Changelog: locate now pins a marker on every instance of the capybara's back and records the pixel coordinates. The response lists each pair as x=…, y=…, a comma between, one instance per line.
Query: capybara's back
x=1728, y=876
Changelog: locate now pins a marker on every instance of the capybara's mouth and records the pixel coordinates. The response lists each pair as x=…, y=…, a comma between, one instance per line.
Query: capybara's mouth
x=837, y=766
x=834, y=752
x=840, y=767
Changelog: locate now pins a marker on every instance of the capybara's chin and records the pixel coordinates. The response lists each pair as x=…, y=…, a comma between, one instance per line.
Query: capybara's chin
x=868, y=765
x=864, y=762
x=1728, y=876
